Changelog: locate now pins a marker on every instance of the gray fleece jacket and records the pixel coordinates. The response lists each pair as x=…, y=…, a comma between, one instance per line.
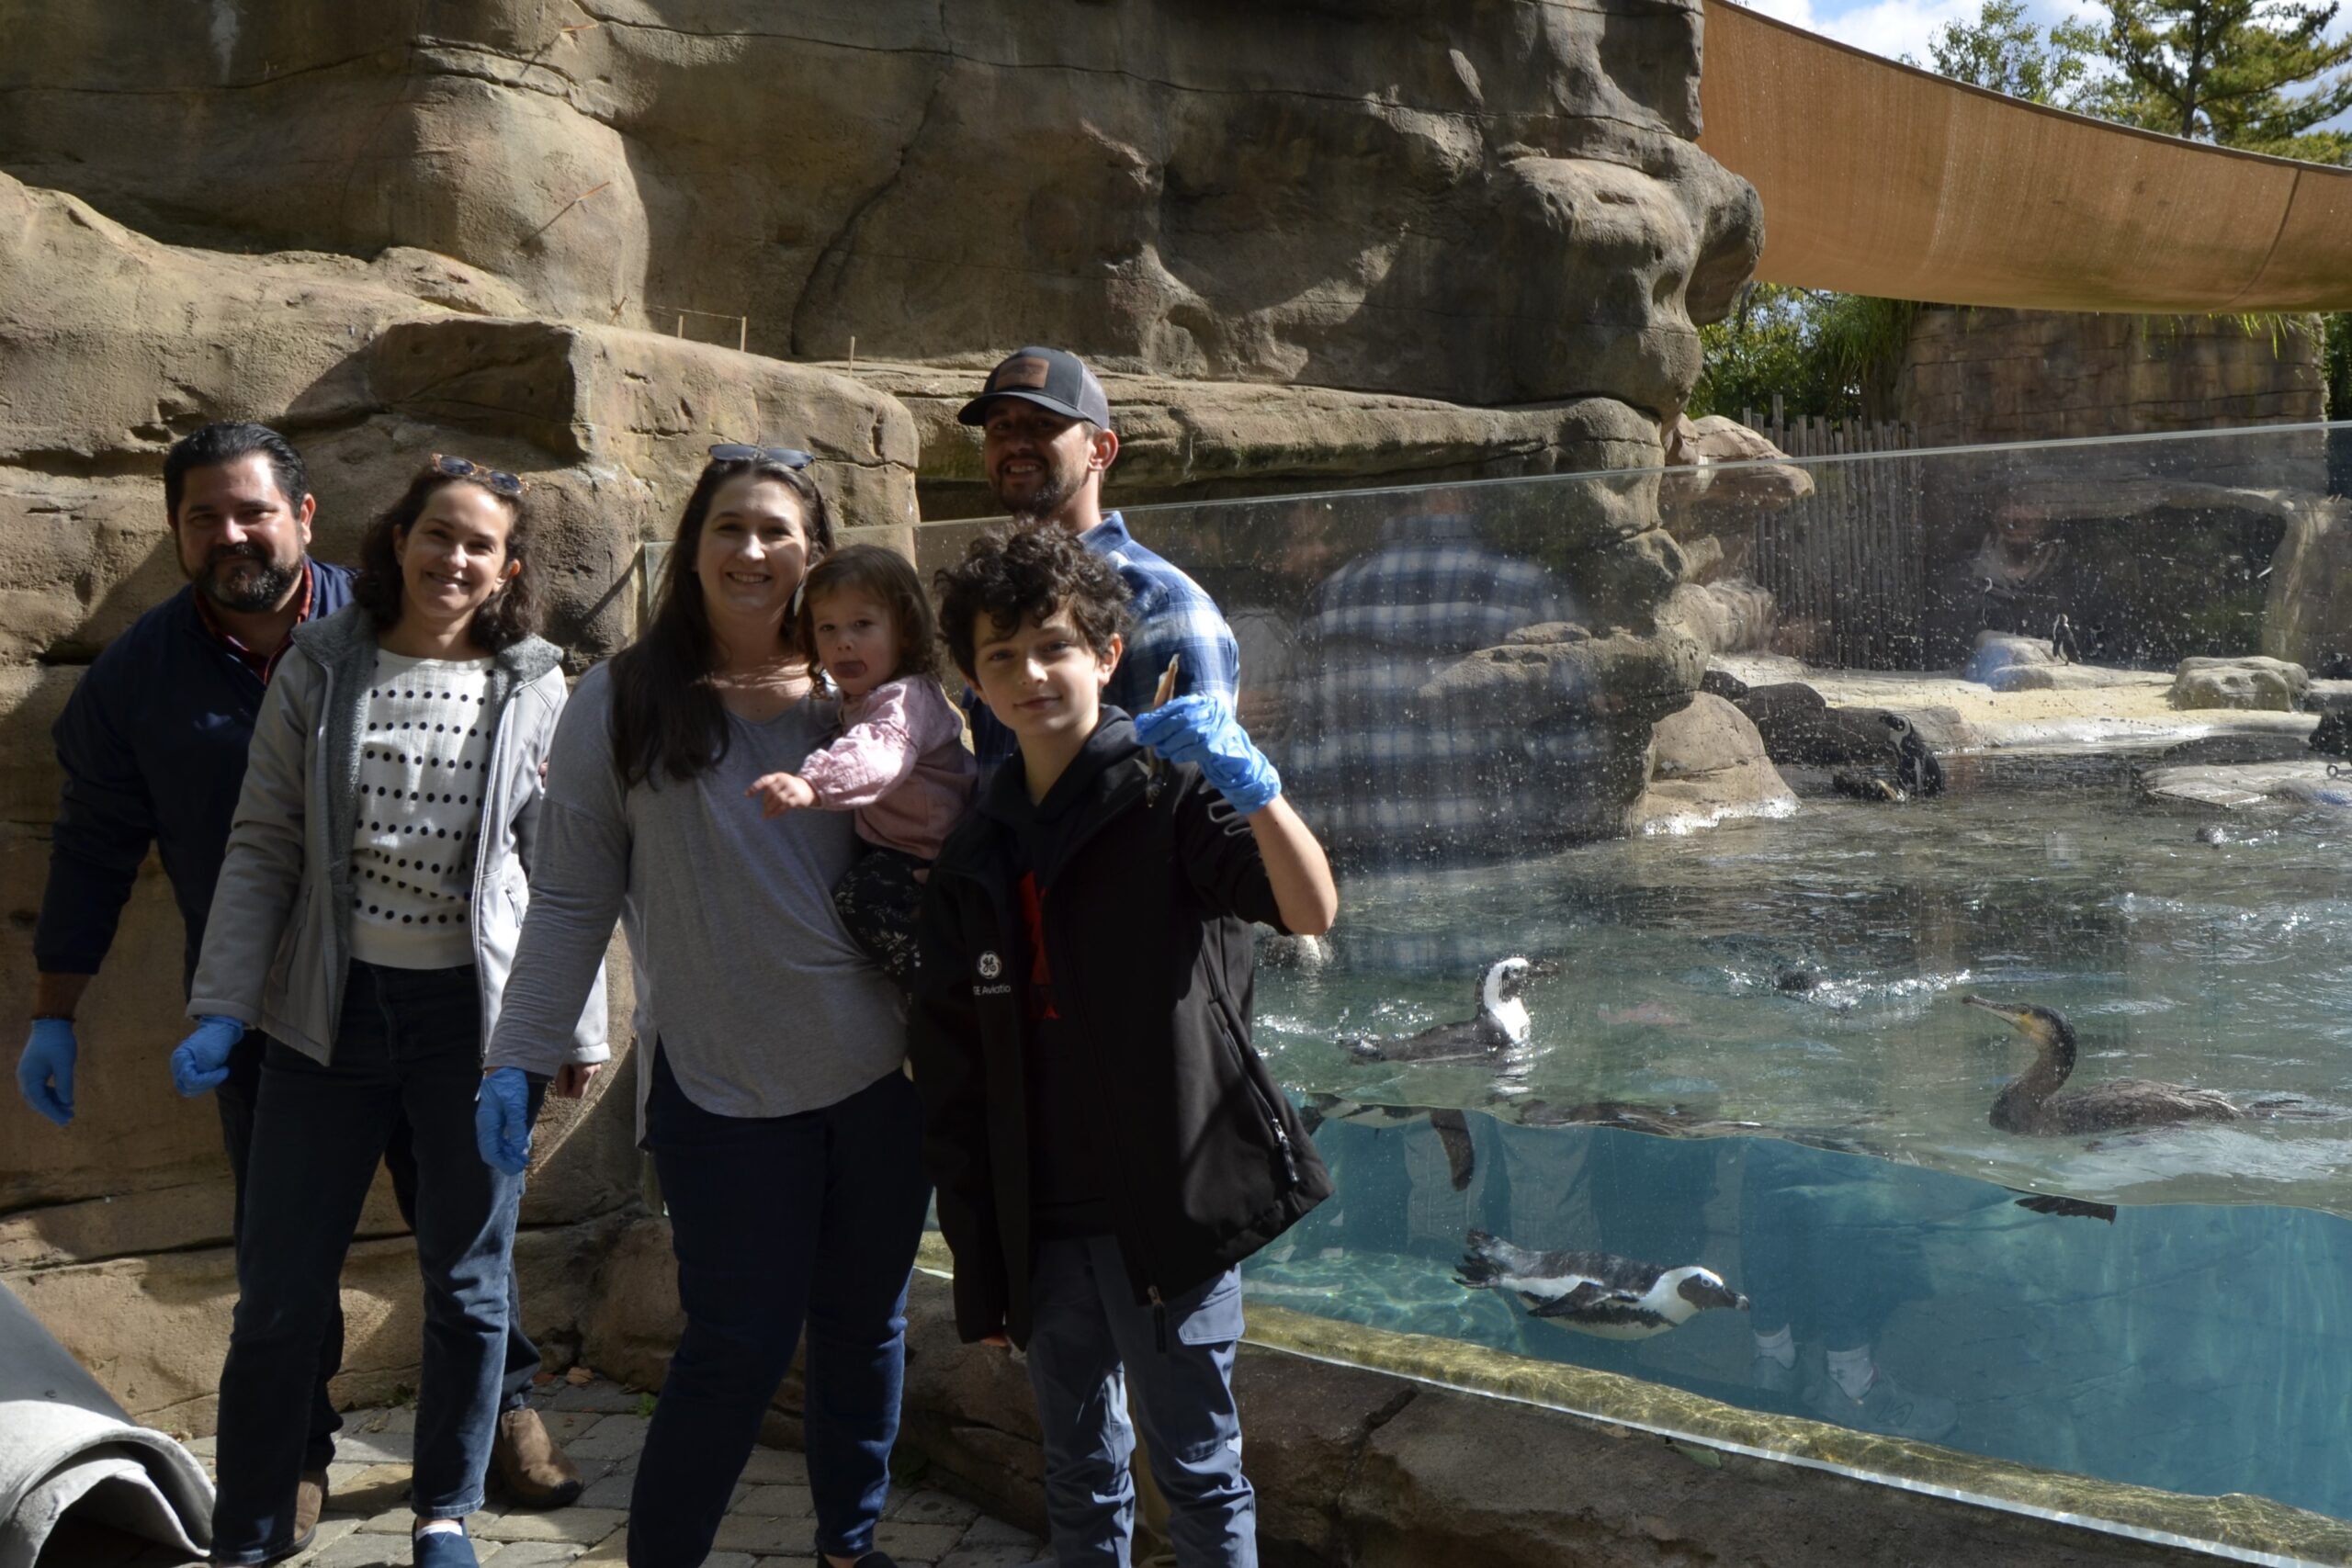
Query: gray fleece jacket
x=277, y=942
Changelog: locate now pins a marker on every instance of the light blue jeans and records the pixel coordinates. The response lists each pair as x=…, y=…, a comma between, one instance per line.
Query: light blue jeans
x=1090, y=1343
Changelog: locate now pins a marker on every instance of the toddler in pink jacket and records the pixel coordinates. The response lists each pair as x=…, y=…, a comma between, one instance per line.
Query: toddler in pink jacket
x=901, y=765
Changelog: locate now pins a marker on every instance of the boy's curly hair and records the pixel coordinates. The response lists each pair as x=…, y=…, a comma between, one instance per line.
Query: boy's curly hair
x=1027, y=571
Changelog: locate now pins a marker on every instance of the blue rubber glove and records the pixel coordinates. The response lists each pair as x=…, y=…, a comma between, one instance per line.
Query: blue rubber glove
x=45, y=1072
x=502, y=1121
x=201, y=1062
x=1201, y=730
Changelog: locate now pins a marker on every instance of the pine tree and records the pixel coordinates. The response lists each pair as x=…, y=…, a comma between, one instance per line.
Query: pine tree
x=2227, y=70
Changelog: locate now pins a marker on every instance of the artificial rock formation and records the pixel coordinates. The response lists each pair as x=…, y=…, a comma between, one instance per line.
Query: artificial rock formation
x=1708, y=764
x=1489, y=203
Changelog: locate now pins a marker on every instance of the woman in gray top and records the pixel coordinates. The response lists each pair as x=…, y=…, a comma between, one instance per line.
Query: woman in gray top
x=375, y=880
x=787, y=1141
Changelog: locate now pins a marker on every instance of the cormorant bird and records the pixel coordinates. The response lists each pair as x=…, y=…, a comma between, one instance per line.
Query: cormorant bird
x=1595, y=1293
x=2031, y=1103
x=1499, y=1029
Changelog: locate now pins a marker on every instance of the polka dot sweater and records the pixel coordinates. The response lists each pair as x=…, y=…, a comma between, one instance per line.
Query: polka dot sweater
x=423, y=753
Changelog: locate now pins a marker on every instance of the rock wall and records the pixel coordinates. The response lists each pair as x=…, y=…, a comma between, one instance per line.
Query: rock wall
x=110, y=345
x=1978, y=376
x=1487, y=201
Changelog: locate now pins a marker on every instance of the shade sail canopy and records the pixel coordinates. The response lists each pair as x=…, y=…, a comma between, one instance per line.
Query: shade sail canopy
x=1877, y=179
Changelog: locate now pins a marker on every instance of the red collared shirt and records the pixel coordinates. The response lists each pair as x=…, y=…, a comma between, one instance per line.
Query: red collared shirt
x=262, y=664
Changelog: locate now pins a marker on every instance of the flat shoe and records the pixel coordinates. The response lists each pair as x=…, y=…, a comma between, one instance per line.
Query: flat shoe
x=443, y=1548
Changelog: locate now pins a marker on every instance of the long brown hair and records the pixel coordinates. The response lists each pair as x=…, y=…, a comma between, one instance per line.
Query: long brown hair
x=666, y=718
x=890, y=578
x=505, y=618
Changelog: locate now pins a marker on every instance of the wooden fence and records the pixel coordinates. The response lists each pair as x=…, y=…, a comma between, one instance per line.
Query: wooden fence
x=1847, y=565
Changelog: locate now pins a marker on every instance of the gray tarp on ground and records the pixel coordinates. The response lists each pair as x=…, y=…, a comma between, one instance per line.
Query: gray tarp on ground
x=1881, y=179
x=64, y=1443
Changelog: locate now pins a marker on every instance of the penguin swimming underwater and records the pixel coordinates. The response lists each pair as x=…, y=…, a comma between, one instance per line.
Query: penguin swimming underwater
x=1452, y=1128
x=1499, y=1029
x=1595, y=1293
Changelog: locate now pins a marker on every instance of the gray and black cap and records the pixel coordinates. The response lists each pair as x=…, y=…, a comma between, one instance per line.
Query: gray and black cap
x=1049, y=377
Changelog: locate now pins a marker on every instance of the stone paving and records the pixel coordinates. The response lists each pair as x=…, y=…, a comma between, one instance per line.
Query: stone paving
x=602, y=1425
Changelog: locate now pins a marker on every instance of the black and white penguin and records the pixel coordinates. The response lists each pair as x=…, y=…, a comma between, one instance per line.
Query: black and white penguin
x=1499, y=1029
x=1595, y=1293
x=1452, y=1128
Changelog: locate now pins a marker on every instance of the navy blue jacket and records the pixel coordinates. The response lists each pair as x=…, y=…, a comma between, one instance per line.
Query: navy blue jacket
x=152, y=742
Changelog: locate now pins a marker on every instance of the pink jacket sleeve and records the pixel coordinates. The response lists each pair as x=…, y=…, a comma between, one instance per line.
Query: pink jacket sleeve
x=874, y=754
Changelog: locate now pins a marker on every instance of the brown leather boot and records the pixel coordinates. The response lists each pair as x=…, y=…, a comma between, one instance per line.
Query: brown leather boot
x=310, y=1501
x=536, y=1471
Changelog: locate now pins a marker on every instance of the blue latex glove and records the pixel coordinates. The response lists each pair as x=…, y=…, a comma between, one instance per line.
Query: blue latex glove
x=201, y=1062
x=502, y=1121
x=1201, y=730
x=45, y=1072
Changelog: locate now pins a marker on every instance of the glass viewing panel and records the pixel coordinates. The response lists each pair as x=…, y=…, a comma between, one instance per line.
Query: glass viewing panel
x=1948, y=747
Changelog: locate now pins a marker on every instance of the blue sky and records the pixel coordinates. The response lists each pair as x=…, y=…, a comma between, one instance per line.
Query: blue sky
x=1896, y=27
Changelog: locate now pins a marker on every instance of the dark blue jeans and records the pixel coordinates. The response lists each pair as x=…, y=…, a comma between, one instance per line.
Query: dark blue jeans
x=235, y=1101
x=774, y=1219
x=408, y=1046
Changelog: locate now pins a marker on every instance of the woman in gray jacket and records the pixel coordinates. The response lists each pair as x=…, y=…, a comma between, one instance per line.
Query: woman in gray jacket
x=365, y=920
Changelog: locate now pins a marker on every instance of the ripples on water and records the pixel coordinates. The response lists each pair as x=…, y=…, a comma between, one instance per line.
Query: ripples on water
x=2200, y=1339
x=2223, y=966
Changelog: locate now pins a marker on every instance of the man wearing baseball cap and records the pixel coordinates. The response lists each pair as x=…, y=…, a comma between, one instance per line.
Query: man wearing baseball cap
x=1045, y=443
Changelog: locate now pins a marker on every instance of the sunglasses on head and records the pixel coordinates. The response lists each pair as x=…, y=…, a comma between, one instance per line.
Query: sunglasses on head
x=737, y=452
x=497, y=481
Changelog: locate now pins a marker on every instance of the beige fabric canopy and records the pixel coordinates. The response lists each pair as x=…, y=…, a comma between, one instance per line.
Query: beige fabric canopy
x=1881, y=179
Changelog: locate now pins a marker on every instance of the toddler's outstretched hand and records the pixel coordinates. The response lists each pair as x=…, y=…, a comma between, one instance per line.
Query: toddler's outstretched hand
x=779, y=793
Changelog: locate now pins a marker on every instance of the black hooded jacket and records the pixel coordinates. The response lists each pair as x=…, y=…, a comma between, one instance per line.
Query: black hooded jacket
x=1149, y=897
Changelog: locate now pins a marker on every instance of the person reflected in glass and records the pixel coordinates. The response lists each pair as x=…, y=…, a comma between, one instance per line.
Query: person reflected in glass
x=1827, y=1255
x=366, y=913
x=1393, y=775
x=1108, y=1145
x=787, y=1140
x=2019, y=580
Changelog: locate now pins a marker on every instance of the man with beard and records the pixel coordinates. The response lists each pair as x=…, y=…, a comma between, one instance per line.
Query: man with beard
x=152, y=745
x=1045, y=444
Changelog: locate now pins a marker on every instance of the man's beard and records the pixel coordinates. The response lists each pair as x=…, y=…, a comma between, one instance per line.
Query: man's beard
x=253, y=591
x=1053, y=492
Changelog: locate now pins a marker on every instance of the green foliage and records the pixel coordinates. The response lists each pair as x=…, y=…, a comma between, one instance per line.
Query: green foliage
x=2005, y=52
x=2223, y=71
x=2337, y=363
x=2260, y=74
x=1834, y=355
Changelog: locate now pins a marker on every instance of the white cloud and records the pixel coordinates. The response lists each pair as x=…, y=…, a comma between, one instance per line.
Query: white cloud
x=1896, y=27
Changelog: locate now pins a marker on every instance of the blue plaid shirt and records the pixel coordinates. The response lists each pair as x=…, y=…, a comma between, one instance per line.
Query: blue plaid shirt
x=1167, y=613
x=1382, y=772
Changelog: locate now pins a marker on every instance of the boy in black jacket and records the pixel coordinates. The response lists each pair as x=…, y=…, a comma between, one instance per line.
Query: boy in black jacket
x=1106, y=1144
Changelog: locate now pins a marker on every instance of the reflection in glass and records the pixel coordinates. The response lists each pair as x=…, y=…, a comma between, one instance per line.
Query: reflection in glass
x=1759, y=802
